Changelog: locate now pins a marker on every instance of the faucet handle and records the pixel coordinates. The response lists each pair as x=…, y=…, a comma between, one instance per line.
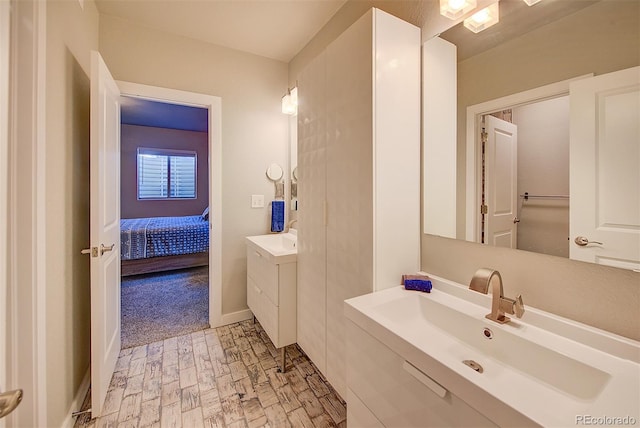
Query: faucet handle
x=518, y=306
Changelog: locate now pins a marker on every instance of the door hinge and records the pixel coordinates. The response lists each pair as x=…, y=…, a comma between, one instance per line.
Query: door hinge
x=484, y=209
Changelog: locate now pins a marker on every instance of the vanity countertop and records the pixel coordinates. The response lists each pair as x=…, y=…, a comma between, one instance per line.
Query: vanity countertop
x=277, y=248
x=538, y=370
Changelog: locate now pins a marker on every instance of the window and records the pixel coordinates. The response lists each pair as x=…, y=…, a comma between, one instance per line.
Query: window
x=166, y=174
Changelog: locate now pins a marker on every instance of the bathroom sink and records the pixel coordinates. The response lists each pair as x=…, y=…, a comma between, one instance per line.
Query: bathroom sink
x=510, y=349
x=549, y=376
x=279, y=248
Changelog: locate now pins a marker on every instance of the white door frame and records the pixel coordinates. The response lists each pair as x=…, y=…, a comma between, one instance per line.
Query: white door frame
x=4, y=183
x=214, y=106
x=497, y=221
x=26, y=212
x=474, y=125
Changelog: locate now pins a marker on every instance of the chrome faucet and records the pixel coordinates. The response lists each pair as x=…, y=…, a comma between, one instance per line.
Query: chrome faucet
x=290, y=225
x=485, y=277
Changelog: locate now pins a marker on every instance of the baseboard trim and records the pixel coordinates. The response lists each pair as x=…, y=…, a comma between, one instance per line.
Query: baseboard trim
x=76, y=404
x=236, y=317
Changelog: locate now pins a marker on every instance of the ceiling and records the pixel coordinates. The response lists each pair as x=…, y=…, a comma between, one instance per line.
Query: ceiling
x=142, y=112
x=279, y=29
x=276, y=29
x=516, y=19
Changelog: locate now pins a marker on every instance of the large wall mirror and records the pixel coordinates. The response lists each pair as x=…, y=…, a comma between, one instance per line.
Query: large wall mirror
x=548, y=130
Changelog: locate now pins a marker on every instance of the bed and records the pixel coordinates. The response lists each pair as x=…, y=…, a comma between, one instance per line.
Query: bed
x=158, y=244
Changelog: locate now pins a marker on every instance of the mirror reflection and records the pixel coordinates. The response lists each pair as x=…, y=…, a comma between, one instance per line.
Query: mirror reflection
x=532, y=174
x=293, y=158
x=525, y=174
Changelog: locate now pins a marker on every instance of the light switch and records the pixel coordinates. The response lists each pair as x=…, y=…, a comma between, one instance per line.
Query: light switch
x=257, y=201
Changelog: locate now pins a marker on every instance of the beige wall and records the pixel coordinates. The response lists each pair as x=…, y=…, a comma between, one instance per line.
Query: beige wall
x=604, y=297
x=254, y=131
x=543, y=169
x=71, y=34
x=601, y=296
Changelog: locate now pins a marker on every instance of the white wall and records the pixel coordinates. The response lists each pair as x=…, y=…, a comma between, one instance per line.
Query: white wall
x=543, y=169
x=62, y=207
x=254, y=131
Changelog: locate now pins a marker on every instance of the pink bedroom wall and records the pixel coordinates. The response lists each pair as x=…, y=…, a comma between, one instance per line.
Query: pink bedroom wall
x=132, y=137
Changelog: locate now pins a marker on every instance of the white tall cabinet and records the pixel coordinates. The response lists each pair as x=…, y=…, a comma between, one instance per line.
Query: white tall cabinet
x=359, y=178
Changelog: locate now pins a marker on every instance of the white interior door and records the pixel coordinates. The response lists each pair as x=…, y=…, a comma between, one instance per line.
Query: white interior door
x=105, y=229
x=605, y=169
x=501, y=183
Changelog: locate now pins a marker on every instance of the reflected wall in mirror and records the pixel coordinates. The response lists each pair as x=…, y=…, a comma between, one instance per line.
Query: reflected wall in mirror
x=518, y=171
x=545, y=46
x=293, y=161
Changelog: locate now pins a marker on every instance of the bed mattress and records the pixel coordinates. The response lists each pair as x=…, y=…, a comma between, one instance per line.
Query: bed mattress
x=163, y=236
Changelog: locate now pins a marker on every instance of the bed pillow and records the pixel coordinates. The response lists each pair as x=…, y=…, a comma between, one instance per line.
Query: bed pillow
x=205, y=214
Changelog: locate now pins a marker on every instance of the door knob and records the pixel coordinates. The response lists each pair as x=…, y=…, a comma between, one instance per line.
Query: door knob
x=582, y=241
x=9, y=401
x=104, y=249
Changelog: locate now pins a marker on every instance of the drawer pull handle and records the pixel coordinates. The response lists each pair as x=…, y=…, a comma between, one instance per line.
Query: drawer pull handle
x=258, y=254
x=424, y=379
x=257, y=290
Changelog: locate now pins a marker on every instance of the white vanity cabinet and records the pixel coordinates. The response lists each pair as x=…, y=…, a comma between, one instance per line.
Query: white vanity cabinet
x=359, y=178
x=271, y=294
x=385, y=390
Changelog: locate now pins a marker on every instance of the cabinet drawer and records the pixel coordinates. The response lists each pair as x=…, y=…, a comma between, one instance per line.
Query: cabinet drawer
x=263, y=309
x=264, y=274
x=358, y=416
x=397, y=393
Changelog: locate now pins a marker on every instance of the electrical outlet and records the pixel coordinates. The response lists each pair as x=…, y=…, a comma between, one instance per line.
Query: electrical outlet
x=257, y=201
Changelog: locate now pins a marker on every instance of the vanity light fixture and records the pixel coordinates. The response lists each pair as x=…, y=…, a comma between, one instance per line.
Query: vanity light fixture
x=454, y=9
x=531, y=2
x=484, y=18
x=290, y=102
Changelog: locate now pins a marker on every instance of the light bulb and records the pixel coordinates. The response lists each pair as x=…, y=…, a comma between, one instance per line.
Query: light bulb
x=484, y=18
x=454, y=9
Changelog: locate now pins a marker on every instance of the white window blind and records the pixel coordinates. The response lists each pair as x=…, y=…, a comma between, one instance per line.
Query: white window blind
x=166, y=174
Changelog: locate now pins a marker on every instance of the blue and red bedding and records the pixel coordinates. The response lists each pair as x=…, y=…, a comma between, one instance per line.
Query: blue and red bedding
x=163, y=236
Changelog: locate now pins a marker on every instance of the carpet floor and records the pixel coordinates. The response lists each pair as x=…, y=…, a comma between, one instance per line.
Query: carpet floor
x=160, y=305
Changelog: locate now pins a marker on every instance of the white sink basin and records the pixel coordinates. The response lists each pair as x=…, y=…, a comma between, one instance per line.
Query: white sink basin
x=547, y=378
x=508, y=348
x=280, y=248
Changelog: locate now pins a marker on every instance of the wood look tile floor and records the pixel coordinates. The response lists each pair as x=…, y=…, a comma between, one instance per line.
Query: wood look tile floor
x=222, y=377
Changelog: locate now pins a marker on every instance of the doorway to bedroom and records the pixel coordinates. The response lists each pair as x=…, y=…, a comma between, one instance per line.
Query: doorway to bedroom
x=165, y=220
